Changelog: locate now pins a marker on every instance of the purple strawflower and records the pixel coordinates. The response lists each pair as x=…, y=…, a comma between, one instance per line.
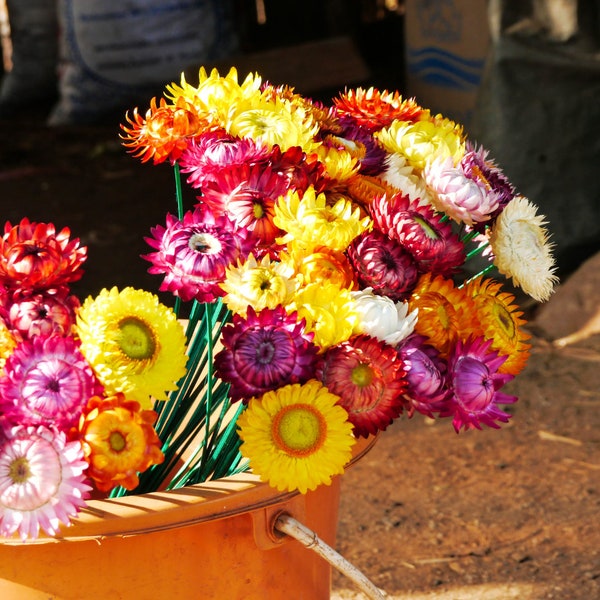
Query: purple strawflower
x=474, y=384
x=265, y=351
x=425, y=374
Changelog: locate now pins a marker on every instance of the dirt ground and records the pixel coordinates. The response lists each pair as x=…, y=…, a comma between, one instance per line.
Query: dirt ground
x=427, y=513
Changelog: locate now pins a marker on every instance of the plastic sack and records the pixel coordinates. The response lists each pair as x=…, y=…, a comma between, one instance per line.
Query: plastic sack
x=34, y=40
x=538, y=112
x=113, y=54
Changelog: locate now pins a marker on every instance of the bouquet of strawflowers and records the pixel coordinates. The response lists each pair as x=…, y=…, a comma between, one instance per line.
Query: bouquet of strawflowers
x=319, y=261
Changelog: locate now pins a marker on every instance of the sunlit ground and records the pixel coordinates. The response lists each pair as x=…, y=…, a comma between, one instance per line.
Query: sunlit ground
x=490, y=591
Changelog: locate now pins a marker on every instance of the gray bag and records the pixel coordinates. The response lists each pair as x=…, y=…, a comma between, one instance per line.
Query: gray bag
x=538, y=112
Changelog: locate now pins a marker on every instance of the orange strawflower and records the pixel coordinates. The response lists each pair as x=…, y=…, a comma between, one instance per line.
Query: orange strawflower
x=118, y=441
x=163, y=132
x=501, y=322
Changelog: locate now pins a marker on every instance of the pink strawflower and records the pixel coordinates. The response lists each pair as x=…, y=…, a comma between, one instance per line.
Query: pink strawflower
x=42, y=481
x=471, y=192
x=474, y=383
x=265, y=351
x=50, y=312
x=209, y=153
x=425, y=375
x=194, y=253
x=368, y=376
x=383, y=264
x=431, y=241
x=46, y=380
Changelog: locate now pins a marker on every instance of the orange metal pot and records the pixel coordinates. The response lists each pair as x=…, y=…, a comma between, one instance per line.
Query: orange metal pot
x=209, y=541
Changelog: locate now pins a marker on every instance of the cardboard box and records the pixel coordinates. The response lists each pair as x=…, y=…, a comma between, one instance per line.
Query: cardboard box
x=447, y=42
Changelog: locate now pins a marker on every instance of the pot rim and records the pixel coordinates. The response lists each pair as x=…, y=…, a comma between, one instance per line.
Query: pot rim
x=163, y=510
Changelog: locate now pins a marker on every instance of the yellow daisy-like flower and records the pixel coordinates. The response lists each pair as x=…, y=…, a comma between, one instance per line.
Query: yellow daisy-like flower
x=501, y=322
x=118, y=441
x=328, y=310
x=264, y=284
x=214, y=95
x=133, y=342
x=446, y=313
x=296, y=437
x=276, y=121
x=312, y=221
x=521, y=249
x=7, y=344
x=423, y=141
x=340, y=164
x=319, y=263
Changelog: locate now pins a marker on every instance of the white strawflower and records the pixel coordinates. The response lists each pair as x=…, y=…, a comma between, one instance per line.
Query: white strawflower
x=521, y=249
x=399, y=174
x=381, y=318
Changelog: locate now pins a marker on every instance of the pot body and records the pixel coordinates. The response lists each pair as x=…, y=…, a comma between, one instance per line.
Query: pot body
x=213, y=541
x=210, y=541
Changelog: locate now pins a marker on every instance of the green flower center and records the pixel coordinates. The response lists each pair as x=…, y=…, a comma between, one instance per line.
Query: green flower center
x=299, y=429
x=117, y=441
x=136, y=340
x=429, y=231
x=19, y=471
x=362, y=375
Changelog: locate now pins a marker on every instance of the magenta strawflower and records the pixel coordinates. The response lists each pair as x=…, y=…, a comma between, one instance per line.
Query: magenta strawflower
x=207, y=154
x=474, y=383
x=368, y=376
x=46, y=380
x=265, y=351
x=42, y=481
x=194, y=253
x=383, y=264
x=431, y=242
x=50, y=312
x=425, y=375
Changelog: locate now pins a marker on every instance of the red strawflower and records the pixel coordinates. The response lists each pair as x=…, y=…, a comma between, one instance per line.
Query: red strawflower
x=431, y=241
x=34, y=256
x=368, y=376
x=383, y=264
x=247, y=194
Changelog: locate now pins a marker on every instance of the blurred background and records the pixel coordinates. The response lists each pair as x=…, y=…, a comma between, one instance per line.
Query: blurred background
x=523, y=77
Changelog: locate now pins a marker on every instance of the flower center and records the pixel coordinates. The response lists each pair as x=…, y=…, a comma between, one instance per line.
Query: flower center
x=117, y=441
x=362, y=375
x=427, y=228
x=204, y=243
x=19, y=471
x=136, y=339
x=299, y=430
x=505, y=320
